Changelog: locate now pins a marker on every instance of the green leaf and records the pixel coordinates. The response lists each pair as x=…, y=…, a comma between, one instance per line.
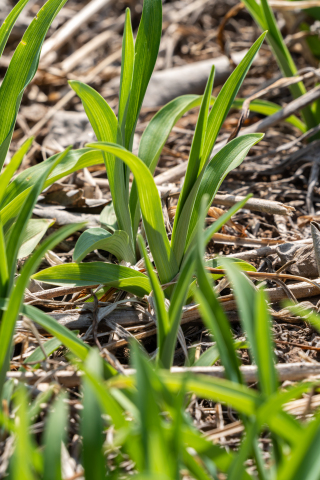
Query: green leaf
x=105, y=126
x=12, y=209
x=264, y=346
x=163, y=323
x=225, y=99
x=16, y=295
x=240, y=397
x=49, y=347
x=304, y=460
x=14, y=164
x=96, y=273
x=9, y=22
x=178, y=300
x=22, y=69
x=35, y=230
x=194, y=162
x=208, y=183
x=151, y=212
x=265, y=107
x=19, y=228
x=127, y=65
x=153, y=139
x=54, y=435
x=97, y=238
x=146, y=52
x=212, y=355
x=72, y=161
x=92, y=425
x=4, y=271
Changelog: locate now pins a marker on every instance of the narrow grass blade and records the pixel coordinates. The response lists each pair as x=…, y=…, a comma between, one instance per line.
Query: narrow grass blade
x=9, y=22
x=21, y=71
x=72, y=161
x=53, y=437
x=12, y=209
x=97, y=238
x=35, y=230
x=240, y=397
x=21, y=464
x=264, y=346
x=14, y=164
x=146, y=52
x=151, y=212
x=96, y=273
x=92, y=425
x=16, y=295
x=49, y=347
x=178, y=299
x=225, y=99
x=212, y=355
x=127, y=65
x=18, y=230
x=105, y=126
x=163, y=323
x=304, y=461
x=194, y=162
x=4, y=271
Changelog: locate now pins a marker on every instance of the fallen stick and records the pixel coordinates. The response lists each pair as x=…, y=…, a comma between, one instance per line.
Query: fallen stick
x=265, y=251
x=174, y=174
x=61, y=37
x=165, y=85
x=290, y=372
x=255, y=204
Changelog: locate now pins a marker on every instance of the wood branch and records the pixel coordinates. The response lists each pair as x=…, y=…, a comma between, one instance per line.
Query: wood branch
x=290, y=372
x=265, y=251
x=174, y=174
x=256, y=204
x=61, y=37
x=165, y=85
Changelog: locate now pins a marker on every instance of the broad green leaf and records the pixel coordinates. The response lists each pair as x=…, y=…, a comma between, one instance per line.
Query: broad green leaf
x=16, y=295
x=36, y=228
x=9, y=22
x=108, y=218
x=12, y=209
x=54, y=435
x=92, y=425
x=96, y=273
x=22, y=69
x=208, y=183
x=14, y=164
x=153, y=139
x=72, y=161
x=151, y=212
x=225, y=99
x=98, y=238
x=194, y=162
x=49, y=347
x=163, y=323
x=127, y=65
x=146, y=52
x=105, y=125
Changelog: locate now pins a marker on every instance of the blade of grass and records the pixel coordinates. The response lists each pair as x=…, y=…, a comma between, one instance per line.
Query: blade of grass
x=96, y=273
